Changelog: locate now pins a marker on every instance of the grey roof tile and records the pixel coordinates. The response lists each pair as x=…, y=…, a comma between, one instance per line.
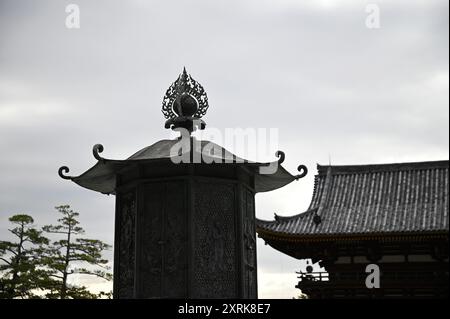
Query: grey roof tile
x=404, y=197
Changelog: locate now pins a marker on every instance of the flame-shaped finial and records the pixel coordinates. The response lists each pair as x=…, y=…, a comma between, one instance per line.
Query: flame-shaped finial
x=184, y=102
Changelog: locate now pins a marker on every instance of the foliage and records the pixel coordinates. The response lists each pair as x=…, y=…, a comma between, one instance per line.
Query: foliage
x=72, y=255
x=21, y=274
x=33, y=267
x=301, y=296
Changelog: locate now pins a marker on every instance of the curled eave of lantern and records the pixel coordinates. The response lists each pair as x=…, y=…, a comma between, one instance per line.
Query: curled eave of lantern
x=102, y=176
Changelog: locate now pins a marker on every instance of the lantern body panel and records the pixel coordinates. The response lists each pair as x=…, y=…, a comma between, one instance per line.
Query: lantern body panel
x=188, y=235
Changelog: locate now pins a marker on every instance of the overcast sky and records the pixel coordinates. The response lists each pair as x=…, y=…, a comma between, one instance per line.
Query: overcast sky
x=334, y=88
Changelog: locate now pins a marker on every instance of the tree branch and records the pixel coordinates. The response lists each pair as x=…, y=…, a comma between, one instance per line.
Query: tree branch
x=11, y=251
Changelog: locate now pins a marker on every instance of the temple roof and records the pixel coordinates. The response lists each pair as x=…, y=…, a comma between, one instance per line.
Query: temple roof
x=370, y=199
x=102, y=176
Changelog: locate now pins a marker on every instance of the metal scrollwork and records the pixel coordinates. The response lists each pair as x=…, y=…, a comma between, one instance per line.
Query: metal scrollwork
x=184, y=84
x=303, y=171
x=98, y=148
x=62, y=170
x=301, y=168
x=281, y=156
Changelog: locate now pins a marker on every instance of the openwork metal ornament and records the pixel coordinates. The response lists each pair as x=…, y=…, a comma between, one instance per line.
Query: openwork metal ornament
x=184, y=102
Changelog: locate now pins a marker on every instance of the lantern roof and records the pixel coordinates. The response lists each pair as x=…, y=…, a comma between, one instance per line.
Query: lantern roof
x=102, y=176
x=184, y=104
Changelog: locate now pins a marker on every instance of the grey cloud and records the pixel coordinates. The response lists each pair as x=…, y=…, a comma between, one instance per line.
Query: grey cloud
x=312, y=69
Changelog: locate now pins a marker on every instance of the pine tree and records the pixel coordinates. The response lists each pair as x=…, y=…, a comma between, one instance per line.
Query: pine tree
x=73, y=255
x=20, y=268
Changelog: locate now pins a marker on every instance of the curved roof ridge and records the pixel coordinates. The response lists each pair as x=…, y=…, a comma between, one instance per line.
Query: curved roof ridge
x=370, y=168
x=286, y=218
x=403, y=197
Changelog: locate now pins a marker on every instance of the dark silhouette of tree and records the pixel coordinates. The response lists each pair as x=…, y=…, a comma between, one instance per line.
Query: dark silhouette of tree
x=73, y=255
x=20, y=266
